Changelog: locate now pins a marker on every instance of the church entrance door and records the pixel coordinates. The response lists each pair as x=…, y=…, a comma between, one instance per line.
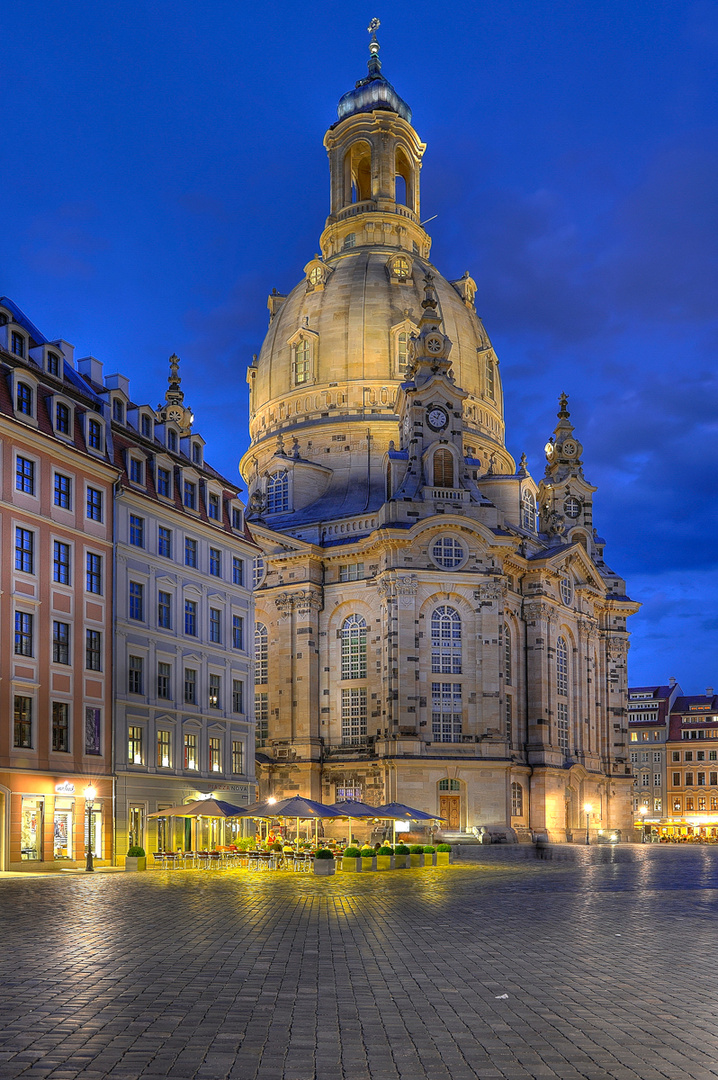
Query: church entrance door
x=450, y=808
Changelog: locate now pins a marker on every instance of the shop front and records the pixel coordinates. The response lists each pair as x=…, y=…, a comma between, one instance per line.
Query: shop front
x=679, y=830
x=46, y=821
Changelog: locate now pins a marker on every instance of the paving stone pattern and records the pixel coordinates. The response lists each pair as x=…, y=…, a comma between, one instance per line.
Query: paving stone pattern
x=595, y=963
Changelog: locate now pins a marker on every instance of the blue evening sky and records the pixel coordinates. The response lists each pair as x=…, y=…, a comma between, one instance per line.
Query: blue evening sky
x=163, y=170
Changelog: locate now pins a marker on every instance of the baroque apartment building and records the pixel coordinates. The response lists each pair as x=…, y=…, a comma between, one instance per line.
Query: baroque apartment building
x=649, y=710
x=434, y=625
x=183, y=629
x=56, y=520
x=692, y=767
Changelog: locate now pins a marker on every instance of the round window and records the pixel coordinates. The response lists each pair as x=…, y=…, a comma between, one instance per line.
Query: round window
x=316, y=275
x=447, y=552
x=572, y=507
x=566, y=591
x=401, y=267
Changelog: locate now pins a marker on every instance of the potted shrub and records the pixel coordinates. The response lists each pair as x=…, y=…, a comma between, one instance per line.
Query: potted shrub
x=429, y=855
x=135, y=858
x=368, y=858
x=385, y=858
x=324, y=865
x=416, y=855
x=351, y=859
x=401, y=857
x=443, y=854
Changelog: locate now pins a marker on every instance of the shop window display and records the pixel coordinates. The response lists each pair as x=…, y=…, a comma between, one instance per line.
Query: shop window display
x=63, y=829
x=31, y=829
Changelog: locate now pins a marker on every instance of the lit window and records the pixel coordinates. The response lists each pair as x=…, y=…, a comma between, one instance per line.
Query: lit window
x=62, y=419
x=134, y=745
x=260, y=653
x=448, y=552
x=316, y=275
x=63, y=491
x=446, y=641
x=164, y=757
x=354, y=648
x=25, y=475
x=562, y=667
x=24, y=550
x=24, y=399
x=137, y=531
x=215, y=755
x=302, y=361
x=215, y=691
x=163, y=483
x=402, y=358
x=562, y=725
x=446, y=712
x=449, y=785
x=354, y=715
x=190, y=752
x=400, y=268
x=517, y=800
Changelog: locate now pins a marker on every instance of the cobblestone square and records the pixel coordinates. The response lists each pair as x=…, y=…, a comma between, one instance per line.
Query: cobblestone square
x=595, y=963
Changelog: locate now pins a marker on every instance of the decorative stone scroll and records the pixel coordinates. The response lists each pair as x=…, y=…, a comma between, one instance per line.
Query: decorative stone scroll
x=303, y=601
x=399, y=587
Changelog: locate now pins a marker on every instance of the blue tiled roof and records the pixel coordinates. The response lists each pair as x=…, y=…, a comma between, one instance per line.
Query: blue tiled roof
x=21, y=318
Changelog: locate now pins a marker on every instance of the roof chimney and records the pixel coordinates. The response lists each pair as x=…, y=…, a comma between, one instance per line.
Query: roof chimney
x=709, y=691
x=672, y=681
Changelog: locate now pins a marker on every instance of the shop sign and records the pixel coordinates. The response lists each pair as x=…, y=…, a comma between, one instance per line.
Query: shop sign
x=66, y=788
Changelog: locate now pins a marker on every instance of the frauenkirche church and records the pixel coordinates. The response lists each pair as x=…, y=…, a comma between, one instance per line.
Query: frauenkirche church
x=434, y=626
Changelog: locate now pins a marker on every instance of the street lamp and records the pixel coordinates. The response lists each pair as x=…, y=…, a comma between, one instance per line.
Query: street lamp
x=89, y=794
x=587, y=811
x=643, y=811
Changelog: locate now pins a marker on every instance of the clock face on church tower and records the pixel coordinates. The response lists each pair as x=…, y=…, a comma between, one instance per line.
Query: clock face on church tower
x=437, y=418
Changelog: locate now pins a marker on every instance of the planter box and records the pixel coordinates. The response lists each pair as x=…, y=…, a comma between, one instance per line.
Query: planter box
x=385, y=862
x=324, y=867
x=351, y=865
x=416, y=860
x=368, y=864
x=401, y=862
x=443, y=858
x=135, y=862
x=430, y=860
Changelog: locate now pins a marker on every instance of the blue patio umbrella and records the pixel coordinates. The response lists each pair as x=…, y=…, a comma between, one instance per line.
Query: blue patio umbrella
x=400, y=812
x=353, y=808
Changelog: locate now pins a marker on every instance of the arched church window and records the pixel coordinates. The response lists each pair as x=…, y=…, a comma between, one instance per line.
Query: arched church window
x=403, y=179
x=353, y=635
x=489, y=375
x=401, y=351
x=302, y=362
x=446, y=641
x=528, y=511
x=566, y=590
x=508, y=673
x=278, y=493
x=449, y=785
x=443, y=466
x=260, y=653
x=562, y=692
x=517, y=800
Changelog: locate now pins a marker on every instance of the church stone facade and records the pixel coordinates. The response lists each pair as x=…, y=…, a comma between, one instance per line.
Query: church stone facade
x=434, y=626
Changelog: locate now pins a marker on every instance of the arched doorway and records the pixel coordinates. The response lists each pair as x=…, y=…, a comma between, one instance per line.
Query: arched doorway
x=450, y=804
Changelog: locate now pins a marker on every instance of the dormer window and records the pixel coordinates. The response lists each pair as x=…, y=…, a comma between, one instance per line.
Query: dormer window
x=146, y=426
x=17, y=344
x=62, y=418
x=53, y=364
x=401, y=268
x=190, y=495
x=94, y=434
x=278, y=493
x=528, y=511
x=118, y=411
x=196, y=453
x=236, y=518
x=302, y=362
x=137, y=471
x=172, y=440
x=164, y=482
x=350, y=240
x=24, y=397
x=213, y=506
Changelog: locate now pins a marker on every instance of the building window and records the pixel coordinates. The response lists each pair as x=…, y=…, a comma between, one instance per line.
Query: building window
x=25, y=475
x=137, y=471
x=509, y=720
x=146, y=426
x=190, y=618
x=23, y=633
x=17, y=344
x=24, y=550
x=164, y=602
x=61, y=562
x=351, y=572
x=562, y=667
x=237, y=757
x=657, y=779
x=118, y=411
x=137, y=531
x=196, y=453
x=215, y=755
x=94, y=504
x=260, y=653
x=164, y=483
x=657, y=755
x=63, y=491
x=354, y=648
x=278, y=493
x=215, y=691
x=566, y=590
x=53, y=364
x=713, y=779
x=689, y=779
x=401, y=352
x=164, y=674
x=508, y=667
x=137, y=601
x=62, y=418
x=449, y=785
x=164, y=750
x=676, y=755
x=657, y=804
x=94, y=435
x=190, y=552
x=190, y=686
x=446, y=641
x=171, y=440
x=261, y=718
x=22, y=731
x=528, y=514
x=134, y=745
x=645, y=779
x=215, y=562
x=701, y=779
x=190, y=495
x=237, y=696
x=237, y=632
x=489, y=374
x=690, y=803
x=302, y=362
x=60, y=727
x=517, y=800
x=237, y=571
x=236, y=518
x=443, y=468
x=446, y=712
x=135, y=675
x=562, y=725
x=354, y=715
x=190, y=752
x=164, y=542
x=24, y=399
x=93, y=650
x=215, y=635
x=447, y=552
x=60, y=643
x=257, y=572
x=93, y=720
x=213, y=507
x=676, y=779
